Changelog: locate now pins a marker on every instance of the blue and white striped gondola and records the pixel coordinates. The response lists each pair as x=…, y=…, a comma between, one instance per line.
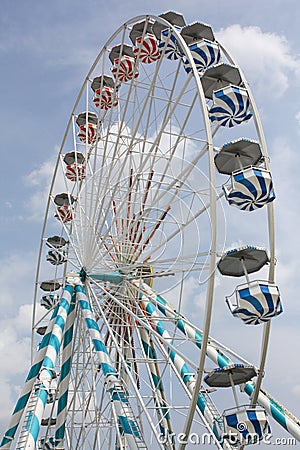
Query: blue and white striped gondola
x=168, y=46
x=231, y=106
x=256, y=302
x=56, y=258
x=48, y=301
x=205, y=54
x=246, y=425
x=251, y=188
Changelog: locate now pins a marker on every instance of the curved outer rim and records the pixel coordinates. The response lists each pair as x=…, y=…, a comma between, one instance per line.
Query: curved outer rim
x=210, y=287
x=271, y=228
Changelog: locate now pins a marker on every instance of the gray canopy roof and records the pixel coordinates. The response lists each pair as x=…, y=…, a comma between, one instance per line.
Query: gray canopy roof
x=219, y=76
x=239, y=373
x=56, y=241
x=102, y=81
x=140, y=28
x=50, y=285
x=63, y=199
x=86, y=117
x=119, y=50
x=72, y=157
x=196, y=31
x=237, y=154
x=174, y=18
x=233, y=262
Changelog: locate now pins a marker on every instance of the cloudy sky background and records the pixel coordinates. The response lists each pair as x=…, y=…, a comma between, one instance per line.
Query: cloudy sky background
x=46, y=49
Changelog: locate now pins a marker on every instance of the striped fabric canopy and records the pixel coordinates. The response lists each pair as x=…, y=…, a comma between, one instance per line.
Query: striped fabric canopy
x=246, y=426
x=75, y=172
x=105, y=98
x=48, y=301
x=252, y=188
x=257, y=303
x=88, y=133
x=205, y=54
x=146, y=49
x=231, y=106
x=168, y=45
x=124, y=69
x=55, y=257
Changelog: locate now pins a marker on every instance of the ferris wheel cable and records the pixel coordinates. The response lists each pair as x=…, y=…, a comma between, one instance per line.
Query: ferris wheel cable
x=162, y=127
x=181, y=227
x=128, y=371
x=106, y=213
x=117, y=141
x=183, y=176
x=197, y=215
x=151, y=95
x=135, y=227
x=141, y=322
x=152, y=232
x=183, y=125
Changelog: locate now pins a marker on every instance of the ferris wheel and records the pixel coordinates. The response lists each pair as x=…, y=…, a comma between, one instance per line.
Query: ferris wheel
x=163, y=141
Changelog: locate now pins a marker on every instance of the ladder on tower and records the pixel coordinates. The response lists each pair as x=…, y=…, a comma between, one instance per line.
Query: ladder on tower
x=129, y=415
x=28, y=418
x=212, y=407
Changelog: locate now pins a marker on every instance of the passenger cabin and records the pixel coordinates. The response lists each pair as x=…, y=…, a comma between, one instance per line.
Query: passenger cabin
x=105, y=92
x=64, y=211
x=145, y=43
x=56, y=257
x=48, y=301
x=251, y=186
x=124, y=63
x=88, y=124
x=250, y=189
x=75, y=166
x=245, y=425
x=205, y=50
x=231, y=106
x=256, y=301
x=168, y=44
x=242, y=425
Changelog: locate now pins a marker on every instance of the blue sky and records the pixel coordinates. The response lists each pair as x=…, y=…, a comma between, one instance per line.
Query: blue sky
x=46, y=49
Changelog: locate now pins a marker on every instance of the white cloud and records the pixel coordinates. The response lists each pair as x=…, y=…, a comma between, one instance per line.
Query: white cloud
x=266, y=58
x=14, y=351
x=39, y=179
x=18, y=272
